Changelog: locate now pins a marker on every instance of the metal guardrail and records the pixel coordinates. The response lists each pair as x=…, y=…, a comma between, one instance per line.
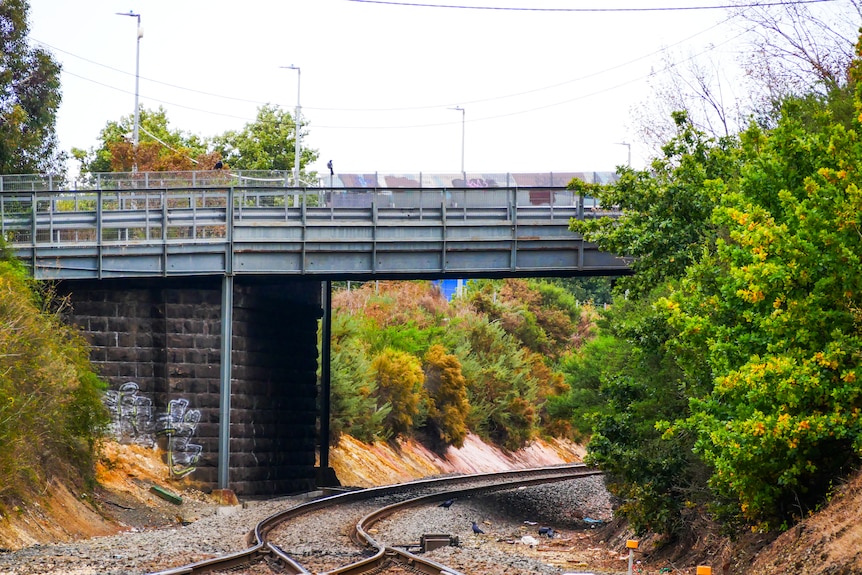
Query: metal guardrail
x=284, y=178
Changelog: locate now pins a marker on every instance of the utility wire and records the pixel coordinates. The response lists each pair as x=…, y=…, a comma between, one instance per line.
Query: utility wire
x=640, y=9
x=546, y=106
x=144, y=78
x=398, y=109
x=124, y=91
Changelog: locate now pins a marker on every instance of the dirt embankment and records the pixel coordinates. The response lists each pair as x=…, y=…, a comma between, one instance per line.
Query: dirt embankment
x=124, y=499
x=359, y=465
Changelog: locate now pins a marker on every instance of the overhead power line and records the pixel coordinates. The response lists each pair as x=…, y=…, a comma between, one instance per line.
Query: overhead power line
x=344, y=109
x=638, y=9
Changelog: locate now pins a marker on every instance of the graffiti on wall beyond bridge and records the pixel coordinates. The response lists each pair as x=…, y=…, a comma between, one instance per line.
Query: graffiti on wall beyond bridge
x=135, y=421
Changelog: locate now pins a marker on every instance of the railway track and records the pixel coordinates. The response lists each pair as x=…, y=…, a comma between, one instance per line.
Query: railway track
x=290, y=541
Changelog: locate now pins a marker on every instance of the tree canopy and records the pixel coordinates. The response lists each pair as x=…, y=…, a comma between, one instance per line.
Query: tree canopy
x=29, y=98
x=160, y=147
x=268, y=143
x=738, y=389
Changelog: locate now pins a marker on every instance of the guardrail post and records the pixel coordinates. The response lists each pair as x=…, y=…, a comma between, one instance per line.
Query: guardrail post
x=33, y=222
x=164, y=197
x=99, y=233
x=374, y=230
x=229, y=211
x=443, y=260
x=304, y=216
x=513, y=209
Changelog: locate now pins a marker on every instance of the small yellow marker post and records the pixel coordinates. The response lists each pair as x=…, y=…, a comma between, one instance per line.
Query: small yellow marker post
x=632, y=544
x=704, y=570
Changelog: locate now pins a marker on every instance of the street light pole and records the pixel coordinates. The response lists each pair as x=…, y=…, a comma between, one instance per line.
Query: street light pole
x=629, y=146
x=140, y=34
x=463, y=120
x=297, y=145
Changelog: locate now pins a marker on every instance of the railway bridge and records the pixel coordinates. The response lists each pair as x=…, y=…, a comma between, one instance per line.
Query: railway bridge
x=201, y=293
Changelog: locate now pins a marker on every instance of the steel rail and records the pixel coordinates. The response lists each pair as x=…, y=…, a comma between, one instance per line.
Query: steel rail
x=260, y=547
x=417, y=562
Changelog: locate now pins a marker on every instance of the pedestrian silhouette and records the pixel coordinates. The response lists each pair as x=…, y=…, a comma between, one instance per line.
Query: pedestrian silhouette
x=447, y=504
x=477, y=529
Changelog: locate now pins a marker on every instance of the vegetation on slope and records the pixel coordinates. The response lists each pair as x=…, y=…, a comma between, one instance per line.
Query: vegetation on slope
x=51, y=410
x=729, y=380
x=406, y=361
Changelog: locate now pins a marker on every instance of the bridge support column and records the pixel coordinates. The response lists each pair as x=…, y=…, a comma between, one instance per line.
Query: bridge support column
x=325, y=474
x=224, y=388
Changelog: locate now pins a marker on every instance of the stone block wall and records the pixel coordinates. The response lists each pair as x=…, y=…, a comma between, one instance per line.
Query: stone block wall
x=161, y=339
x=274, y=392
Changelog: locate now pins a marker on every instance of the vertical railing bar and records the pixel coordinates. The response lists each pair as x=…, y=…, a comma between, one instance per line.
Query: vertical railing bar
x=374, y=231
x=304, y=230
x=51, y=239
x=514, y=203
x=164, y=196
x=99, y=234
x=445, y=228
x=194, y=217
x=33, y=232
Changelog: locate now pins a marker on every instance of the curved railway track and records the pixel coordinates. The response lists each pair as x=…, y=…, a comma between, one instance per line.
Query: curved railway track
x=289, y=539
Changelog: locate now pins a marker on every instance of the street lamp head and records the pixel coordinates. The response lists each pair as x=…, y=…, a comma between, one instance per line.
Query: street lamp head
x=129, y=13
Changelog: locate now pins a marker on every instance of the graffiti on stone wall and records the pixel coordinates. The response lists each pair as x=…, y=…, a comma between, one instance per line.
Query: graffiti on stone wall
x=178, y=424
x=132, y=418
x=134, y=421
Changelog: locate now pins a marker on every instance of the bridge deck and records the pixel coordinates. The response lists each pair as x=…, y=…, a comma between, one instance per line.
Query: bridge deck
x=325, y=233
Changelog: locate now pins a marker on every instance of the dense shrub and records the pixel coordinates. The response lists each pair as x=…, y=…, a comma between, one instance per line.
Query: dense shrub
x=489, y=360
x=448, y=405
x=399, y=380
x=51, y=413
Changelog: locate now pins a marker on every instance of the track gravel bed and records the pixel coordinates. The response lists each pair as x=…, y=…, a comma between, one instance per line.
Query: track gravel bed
x=217, y=532
x=509, y=518
x=322, y=540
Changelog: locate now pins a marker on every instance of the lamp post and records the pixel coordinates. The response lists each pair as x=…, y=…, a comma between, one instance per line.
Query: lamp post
x=297, y=146
x=629, y=146
x=140, y=34
x=463, y=119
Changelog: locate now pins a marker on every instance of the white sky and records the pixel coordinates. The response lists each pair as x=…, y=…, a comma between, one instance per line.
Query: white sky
x=542, y=91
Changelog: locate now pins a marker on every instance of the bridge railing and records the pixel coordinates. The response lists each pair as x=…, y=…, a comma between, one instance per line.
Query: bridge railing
x=201, y=214
x=284, y=178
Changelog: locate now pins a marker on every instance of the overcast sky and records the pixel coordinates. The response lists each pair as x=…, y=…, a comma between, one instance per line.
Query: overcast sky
x=541, y=90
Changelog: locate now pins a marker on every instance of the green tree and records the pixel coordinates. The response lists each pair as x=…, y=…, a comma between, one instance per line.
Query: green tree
x=782, y=335
x=639, y=385
x=160, y=147
x=632, y=380
x=268, y=143
x=448, y=405
x=666, y=209
x=29, y=98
